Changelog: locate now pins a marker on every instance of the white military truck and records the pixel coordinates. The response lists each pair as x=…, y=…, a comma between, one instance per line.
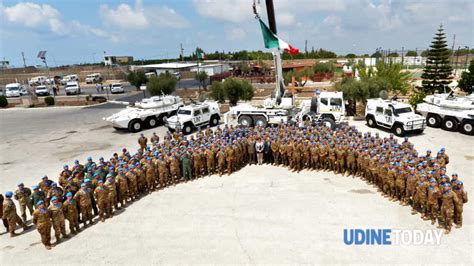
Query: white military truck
x=449, y=111
x=195, y=115
x=326, y=107
x=148, y=113
x=396, y=116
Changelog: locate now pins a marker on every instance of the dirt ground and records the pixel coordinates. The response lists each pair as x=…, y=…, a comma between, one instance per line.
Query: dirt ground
x=259, y=215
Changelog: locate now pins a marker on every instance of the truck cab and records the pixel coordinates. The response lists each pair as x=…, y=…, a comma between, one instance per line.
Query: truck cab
x=327, y=106
x=396, y=116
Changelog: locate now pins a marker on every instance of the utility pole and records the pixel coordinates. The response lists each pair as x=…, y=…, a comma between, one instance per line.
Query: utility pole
x=403, y=55
x=467, y=58
x=306, y=47
x=24, y=61
x=181, y=52
x=457, y=60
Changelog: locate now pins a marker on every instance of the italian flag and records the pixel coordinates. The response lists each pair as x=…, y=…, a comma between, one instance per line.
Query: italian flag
x=200, y=54
x=273, y=41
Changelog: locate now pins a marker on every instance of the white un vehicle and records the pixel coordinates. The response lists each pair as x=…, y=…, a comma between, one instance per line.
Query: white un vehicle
x=449, y=111
x=397, y=116
x=149, y=113
x=195, y=115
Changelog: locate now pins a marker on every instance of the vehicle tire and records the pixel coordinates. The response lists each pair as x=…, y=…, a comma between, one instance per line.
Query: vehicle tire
x=245, y=121
x=433, y=120
x=163, y=118
x=214, y=120
x=135, y=125
x=187, y=128
x=398, y=130
x=450, y=124
x=328, y=122
x=151, y=121
x=260, y=121
x=467, y=127
x=371, y=121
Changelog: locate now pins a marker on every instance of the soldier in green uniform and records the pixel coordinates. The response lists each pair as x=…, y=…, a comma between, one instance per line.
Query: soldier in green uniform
x=186, y=165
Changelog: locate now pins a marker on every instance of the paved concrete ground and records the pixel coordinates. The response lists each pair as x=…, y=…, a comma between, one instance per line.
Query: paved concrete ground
x=258, y=215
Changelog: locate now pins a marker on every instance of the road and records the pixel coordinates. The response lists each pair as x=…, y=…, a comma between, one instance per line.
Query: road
x=259, y=215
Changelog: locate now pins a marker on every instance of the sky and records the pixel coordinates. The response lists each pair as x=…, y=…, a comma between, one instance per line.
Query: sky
x=81, y=31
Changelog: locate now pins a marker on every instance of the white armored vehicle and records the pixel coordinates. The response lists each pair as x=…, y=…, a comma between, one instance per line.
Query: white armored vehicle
x=195, y=115
x=449, y=111
x=148, y=113
x=396, y=116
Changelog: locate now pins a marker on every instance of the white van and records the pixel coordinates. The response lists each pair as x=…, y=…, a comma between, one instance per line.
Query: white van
x=69, y=78
x=94, y=78
x=40, y=80
x=15, y=90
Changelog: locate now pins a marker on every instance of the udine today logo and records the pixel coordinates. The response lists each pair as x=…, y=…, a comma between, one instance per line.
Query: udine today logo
x=391, y=237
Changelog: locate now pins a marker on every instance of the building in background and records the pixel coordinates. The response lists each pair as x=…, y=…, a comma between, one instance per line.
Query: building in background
x=111, y=60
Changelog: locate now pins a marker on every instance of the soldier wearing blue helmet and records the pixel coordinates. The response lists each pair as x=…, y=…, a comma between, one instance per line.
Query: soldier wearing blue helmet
x=10, y=214
x=43, y=220
x=462, y=196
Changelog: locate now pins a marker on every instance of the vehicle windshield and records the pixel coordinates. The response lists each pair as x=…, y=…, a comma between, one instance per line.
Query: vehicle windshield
x=71, y=85
x=116, y=85
x=41, y=88
x=184, y=112
x=12, y=88
x=403, y=110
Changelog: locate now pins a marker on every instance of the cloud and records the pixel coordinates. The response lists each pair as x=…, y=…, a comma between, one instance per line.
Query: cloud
x=236, y=34
x=227, y=10
x=35, y=16
x=126, y=17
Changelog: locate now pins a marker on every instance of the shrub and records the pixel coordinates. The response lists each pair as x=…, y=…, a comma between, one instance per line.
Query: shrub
x=3, y=101
x=417, y=98
x=165, y=83
x=49, y=101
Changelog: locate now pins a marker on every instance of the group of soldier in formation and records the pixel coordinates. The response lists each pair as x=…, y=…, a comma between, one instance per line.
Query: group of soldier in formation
x=104, y=186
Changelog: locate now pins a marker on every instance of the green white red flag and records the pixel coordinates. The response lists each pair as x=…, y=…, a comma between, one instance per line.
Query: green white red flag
x=271, y=40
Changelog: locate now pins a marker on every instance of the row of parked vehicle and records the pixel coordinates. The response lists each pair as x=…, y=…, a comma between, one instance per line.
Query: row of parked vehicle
x=43, y=80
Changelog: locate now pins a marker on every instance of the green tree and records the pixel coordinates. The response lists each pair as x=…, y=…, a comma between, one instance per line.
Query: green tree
x=377, y=54
x=165, y=83
x=467, y=79
x=412, y=53
x=397, y=80
x=306, y=73
x=351, y=56
x=217, y=92
x=394, y=54
x=324, y=68
x=137, y=78
x=202, y=77
x=437, y=72
x=233, y=90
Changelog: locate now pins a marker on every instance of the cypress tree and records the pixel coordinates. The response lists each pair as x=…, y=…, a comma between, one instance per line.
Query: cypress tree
x=437, y=72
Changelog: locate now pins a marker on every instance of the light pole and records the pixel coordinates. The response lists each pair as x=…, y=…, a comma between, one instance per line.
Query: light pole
x=467, y=57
